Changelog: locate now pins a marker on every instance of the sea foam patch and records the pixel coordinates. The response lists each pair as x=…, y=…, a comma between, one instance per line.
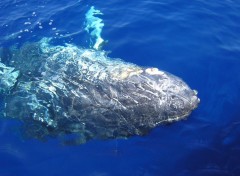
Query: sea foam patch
x=93, y=26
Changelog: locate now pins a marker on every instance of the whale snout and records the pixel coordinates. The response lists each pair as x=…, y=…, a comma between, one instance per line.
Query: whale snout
x=176, y=99
x=185, y=99
x=195, y=100
x=181, y=103
x=190, y=100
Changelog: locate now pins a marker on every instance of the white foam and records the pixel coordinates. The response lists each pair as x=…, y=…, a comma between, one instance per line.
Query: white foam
x=94, y=26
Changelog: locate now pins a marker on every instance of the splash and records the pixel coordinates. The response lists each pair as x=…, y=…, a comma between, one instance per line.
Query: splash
x=8, y=77
x=94, y=27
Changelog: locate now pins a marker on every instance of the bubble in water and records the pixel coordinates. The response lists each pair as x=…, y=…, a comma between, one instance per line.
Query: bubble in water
x=27, y=23
x=51, y=22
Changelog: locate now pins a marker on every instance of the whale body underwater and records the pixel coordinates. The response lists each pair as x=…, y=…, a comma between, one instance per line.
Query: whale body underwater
x=60, y=90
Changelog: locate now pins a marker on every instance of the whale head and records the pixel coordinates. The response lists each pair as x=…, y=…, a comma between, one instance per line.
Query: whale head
x=171, y=97
x=175, y=95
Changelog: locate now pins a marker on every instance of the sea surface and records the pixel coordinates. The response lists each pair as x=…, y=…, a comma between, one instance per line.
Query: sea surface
x=197, y=40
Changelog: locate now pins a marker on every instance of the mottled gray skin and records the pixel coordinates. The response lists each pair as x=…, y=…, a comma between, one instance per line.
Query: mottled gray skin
x=65, y=89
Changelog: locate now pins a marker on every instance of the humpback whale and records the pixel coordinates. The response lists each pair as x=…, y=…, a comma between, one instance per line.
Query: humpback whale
x=60, y=90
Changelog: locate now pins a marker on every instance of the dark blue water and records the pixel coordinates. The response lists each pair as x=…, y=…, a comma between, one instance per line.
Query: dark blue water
x=197, y=40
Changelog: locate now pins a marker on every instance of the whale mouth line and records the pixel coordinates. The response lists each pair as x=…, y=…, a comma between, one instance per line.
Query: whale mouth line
x=171, y=119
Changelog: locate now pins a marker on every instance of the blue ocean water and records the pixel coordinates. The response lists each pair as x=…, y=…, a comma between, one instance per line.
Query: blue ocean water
x=198, y=41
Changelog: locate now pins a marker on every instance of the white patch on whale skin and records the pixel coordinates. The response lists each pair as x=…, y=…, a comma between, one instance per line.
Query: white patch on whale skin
x=154, y=71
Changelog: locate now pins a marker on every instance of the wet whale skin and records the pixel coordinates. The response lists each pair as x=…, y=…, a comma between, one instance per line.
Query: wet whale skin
x=70, y=90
